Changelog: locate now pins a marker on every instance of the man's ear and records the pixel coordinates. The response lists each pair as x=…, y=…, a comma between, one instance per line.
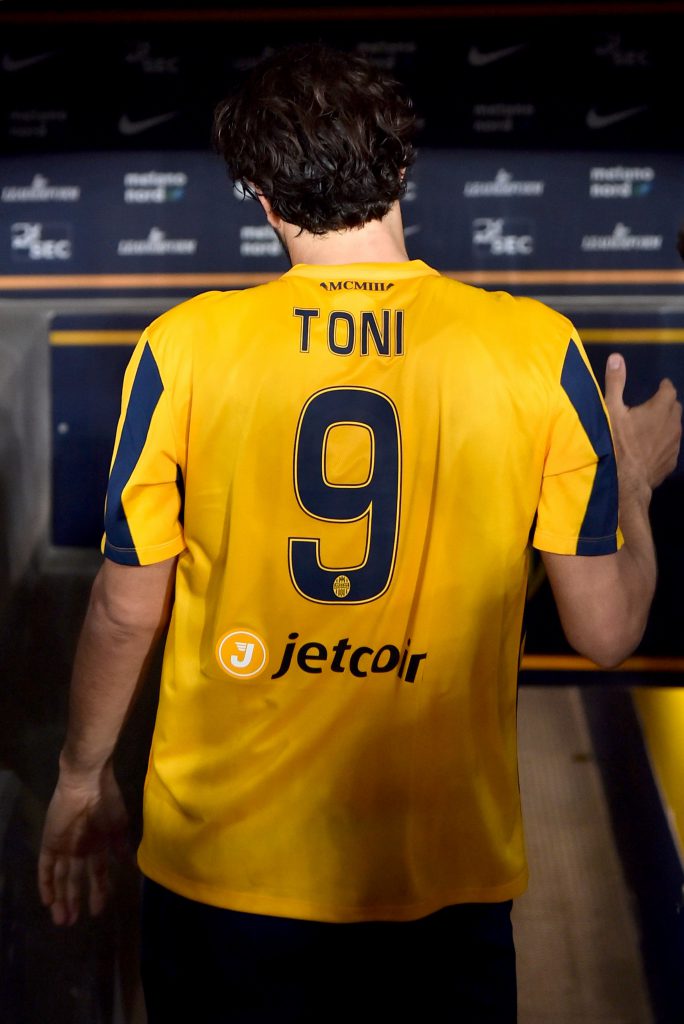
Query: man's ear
x=273, y=219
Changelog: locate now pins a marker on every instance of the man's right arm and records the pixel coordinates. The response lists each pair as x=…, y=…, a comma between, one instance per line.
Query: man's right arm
x=604, y=601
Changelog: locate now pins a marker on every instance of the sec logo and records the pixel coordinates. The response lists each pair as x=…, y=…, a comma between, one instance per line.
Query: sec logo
x=242, y=654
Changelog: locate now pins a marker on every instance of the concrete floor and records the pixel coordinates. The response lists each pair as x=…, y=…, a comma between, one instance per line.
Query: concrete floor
x=578, y=950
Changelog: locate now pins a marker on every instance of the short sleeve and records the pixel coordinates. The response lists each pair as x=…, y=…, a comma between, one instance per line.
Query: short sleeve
x=144, y=504
x=578, y=507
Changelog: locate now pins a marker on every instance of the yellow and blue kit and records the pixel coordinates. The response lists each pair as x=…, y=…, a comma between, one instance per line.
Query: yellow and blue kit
x=351, y=463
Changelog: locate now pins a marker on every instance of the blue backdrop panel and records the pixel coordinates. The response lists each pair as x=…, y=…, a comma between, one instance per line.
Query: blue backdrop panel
x=176, y=213
x=86, y=380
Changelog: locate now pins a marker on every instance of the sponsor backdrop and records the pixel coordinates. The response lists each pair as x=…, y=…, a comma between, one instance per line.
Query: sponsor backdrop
x=173, y=213
x=550, y=146
x=558, y=81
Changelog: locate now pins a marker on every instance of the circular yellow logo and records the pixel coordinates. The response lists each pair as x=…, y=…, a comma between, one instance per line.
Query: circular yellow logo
x=341, y=586
x=242, y=653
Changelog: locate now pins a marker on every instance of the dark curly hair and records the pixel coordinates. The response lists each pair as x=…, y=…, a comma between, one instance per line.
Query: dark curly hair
x=323, y=135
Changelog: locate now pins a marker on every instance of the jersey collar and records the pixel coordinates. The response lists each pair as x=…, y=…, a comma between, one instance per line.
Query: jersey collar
x=365, y=271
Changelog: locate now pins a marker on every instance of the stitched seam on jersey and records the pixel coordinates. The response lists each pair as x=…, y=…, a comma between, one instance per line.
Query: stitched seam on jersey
x=147, y=547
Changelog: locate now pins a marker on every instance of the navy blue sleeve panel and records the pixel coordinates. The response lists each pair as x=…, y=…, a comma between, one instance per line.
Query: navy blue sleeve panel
x=180, y=483
x=598, y=533
x=145, y=394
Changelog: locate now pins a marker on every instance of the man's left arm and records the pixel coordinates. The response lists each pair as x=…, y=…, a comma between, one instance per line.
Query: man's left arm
x=127, y=614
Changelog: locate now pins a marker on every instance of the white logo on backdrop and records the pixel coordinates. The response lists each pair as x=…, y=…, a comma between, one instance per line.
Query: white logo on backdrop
x=621, y=240
x=500, y=117
x=36, y=241
x=385, y=53
x=491, y=233
x=34, y=124
x=142, y=55
x=259, y=240
x=621, y=56
x=154, y=186
x=503, y=184
x=157, y=244
x=129, y=127
x=481, y=58
x=40, y=191
x=620, y=182
x=597, y=121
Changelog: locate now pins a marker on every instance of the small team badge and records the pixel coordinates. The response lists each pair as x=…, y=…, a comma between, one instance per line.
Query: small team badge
x=341, y=586
x=242, y=654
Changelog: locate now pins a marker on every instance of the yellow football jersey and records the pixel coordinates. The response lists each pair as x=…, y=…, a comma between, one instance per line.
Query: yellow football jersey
x=351, y=463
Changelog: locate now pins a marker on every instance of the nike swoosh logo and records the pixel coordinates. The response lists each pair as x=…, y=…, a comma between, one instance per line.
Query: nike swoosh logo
x=11, y=64
x=128, y=127
x=595, y=120
x=478, y=59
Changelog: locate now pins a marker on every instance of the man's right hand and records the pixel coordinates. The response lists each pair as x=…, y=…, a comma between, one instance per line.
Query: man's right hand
x=86, y=823
x=604, y=600
x=647, y=437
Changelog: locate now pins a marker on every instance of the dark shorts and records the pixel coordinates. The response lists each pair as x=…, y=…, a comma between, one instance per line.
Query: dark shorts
x=206, y=965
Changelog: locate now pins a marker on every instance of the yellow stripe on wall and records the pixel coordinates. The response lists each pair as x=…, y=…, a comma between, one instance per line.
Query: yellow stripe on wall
x=62, y=282
x=634, y=335
x=94, y=337
x=661, y=713
x=617, y=335
x=575, y=663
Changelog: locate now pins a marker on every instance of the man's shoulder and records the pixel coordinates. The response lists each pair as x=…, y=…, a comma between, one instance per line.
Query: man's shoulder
x=504, y=310
x=197, y=316
x=190, y=310
x=536, y=315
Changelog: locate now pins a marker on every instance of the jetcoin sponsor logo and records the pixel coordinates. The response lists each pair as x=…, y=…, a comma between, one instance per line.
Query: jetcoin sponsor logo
x=503, y=184
x=157, y=244
x=129, y=127
x=154, y=186
x=622, y=240
x=40, y=191
x=242, y=653
x=497, y=235
x=344, y=657
x=620, y=182
x=36, y=241
x=597, y=121
x=481, y=58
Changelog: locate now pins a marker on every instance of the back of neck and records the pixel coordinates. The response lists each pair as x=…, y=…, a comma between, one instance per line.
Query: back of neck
x=378, y=241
